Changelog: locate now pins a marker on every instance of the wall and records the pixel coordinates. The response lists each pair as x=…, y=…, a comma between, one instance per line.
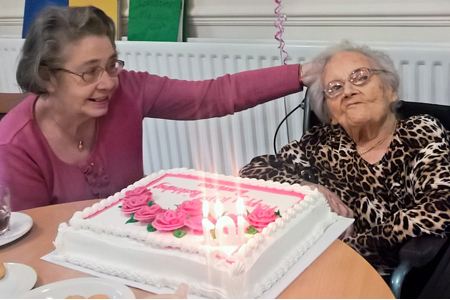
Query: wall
x=316, y=20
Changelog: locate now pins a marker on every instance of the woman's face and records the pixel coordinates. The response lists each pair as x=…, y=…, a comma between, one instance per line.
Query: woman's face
x=360, y=105
x=70, y=92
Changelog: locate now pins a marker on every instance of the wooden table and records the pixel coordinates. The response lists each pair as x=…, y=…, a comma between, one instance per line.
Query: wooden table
x=338, y=273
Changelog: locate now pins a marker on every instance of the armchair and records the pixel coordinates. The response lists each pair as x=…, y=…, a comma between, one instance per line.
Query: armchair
x=420, y=251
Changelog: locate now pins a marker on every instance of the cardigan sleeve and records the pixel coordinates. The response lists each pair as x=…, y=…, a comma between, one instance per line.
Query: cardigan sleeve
x=166, y=98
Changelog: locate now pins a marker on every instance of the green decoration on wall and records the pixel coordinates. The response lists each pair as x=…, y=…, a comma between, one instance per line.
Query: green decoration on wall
x=154, y=20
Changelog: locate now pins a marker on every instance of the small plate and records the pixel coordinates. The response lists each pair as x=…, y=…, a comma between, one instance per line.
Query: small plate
x=85, y=287
x=18, y=279
x=19, y=224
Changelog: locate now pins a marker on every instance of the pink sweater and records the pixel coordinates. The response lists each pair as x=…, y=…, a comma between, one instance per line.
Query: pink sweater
x=37, y=177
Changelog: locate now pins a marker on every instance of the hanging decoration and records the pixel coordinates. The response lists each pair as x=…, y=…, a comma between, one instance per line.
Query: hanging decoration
x=281, y=17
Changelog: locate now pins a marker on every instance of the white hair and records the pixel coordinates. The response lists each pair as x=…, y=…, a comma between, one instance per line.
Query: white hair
x=380, y=59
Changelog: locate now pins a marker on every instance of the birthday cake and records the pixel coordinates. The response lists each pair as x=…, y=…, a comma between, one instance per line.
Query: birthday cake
x=225, y=236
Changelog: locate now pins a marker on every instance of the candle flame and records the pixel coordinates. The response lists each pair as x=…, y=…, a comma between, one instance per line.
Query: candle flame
x=218, y=208
x=240, y=206
x=205, y=208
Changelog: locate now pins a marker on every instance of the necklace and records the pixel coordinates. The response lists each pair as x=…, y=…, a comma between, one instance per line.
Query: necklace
x=80, y=143
x=362, y=152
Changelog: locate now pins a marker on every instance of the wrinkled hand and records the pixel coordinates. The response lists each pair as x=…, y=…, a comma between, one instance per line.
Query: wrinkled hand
x=348, y=232
x=333, y=200
x=336, y=206
x=181, y=293
x=310, y=73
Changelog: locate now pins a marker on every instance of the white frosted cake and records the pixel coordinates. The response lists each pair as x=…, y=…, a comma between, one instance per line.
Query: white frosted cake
x=226, y=237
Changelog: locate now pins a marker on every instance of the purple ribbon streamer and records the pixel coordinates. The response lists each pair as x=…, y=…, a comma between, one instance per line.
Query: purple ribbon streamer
x=279, y=25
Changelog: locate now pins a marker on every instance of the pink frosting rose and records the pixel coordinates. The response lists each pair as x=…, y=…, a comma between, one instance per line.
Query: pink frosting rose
x=148, y=213
x=260, y=218
x=192, y=208
x=195, y=224
x=133, y=204
x=169, y=220
x=138, y=191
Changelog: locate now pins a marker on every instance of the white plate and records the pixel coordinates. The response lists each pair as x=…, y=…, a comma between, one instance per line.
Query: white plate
x=19, y=224
x=18, y=279
x=86, y=287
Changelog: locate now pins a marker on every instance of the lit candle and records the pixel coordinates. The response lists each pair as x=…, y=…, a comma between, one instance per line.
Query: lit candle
x=242, y=222
x=224, y=239
x=207, y=225
x=205, y=208
x=240, y=206
x=218, y=208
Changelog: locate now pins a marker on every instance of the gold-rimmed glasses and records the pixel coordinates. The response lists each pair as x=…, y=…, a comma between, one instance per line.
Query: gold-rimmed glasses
x=94, y=73
x=357, y=77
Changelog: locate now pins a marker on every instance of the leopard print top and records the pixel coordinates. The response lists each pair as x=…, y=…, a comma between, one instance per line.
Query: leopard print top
x=405, y=194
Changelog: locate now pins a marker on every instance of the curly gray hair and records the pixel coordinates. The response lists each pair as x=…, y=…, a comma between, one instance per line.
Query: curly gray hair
x=380, y=59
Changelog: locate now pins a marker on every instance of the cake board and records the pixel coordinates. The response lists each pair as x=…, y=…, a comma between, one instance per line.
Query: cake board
x=329, y=236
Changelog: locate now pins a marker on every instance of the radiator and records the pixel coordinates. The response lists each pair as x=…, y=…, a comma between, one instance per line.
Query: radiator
x=221, y=145
x=224, y=145
x=9, y=55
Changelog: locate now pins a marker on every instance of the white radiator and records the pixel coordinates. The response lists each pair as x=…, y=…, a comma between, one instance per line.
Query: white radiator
x=220, y=145
x=225, y=144
x=9, y=55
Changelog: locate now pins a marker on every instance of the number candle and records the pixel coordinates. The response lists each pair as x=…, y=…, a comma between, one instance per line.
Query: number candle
x=225, y=239
x=242, y=222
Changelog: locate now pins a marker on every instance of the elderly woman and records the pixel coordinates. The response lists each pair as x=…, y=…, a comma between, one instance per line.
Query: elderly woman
x=392, y=176
x=78, y=135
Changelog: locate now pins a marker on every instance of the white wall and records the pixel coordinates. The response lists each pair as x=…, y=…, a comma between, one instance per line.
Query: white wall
x=317, y=20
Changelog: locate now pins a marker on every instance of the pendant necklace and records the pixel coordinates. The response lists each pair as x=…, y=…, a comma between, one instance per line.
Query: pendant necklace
x=80, y=143
x=362, y=152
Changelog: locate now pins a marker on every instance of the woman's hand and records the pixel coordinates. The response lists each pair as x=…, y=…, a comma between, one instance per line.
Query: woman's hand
x=333, y=200
x=348, y=232
x=181, y=293
x=310, y=72
x=336, y=206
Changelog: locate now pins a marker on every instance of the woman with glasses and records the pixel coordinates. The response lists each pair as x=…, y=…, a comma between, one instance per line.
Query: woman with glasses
x=391, y=175
x=78, y=135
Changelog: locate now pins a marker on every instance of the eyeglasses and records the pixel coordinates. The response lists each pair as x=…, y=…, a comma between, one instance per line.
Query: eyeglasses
x=357, y=77
x=94, y=73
